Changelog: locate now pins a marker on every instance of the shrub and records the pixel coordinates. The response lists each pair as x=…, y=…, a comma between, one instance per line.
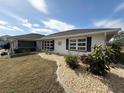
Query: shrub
x=102, y=57
x=117, y=54
x=48, y=52
x=86, y=59
x=17, y=50
x=24, y=50
x=121, y=58
x=72, y=61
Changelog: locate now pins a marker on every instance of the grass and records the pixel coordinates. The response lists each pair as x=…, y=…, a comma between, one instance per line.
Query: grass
x=28, y=74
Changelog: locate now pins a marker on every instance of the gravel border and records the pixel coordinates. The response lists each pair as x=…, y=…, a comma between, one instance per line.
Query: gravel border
x=79, y=81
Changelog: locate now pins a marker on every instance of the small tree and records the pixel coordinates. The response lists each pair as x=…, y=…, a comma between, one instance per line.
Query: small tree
x=116, y=48
x=102, y=57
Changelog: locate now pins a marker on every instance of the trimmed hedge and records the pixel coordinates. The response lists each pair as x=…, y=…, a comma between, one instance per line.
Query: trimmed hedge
x=24, y=50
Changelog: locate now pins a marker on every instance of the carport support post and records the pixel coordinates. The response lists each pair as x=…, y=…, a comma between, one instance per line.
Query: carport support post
x=105, y=34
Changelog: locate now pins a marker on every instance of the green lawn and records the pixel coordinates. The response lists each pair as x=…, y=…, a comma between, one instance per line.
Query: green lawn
x=28, y=74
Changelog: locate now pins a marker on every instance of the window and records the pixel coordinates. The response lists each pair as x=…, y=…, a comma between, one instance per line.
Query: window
x=82, y=44
x=73, y=44
x=78, y=44
x=81, y=40
x=48, y=45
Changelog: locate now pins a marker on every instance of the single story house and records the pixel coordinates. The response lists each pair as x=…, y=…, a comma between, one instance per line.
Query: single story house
x=77, y=41
x=24, y=43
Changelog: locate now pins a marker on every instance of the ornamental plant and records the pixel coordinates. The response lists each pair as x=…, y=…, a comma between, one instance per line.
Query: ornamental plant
x=72, y=61
x=102, y=57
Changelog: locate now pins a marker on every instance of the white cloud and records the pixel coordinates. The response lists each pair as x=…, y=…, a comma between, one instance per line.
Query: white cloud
x=3, y=22
x=16, y=17
x=26, y=23
x=8, y=13
x=36, y=25
x=6, y=26
x=35, y=28
x=10, y=28
x=57, y=25
x=50, y=26
x=42, y=30
x=119, y=7
x=16, y=28
x=2, y=27
x=39, y=5
x=119, y=23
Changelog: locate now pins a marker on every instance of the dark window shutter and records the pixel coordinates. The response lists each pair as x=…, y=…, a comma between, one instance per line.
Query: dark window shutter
x=67, y=44
x=43, y=44
x=53, y=45
x=89, y=41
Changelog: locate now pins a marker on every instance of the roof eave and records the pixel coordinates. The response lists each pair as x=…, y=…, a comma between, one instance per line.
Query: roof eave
x=82, y=34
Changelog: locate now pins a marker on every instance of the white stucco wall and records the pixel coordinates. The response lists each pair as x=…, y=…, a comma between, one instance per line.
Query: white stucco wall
x=39, y=45
x=13, y=45
x=98, y=39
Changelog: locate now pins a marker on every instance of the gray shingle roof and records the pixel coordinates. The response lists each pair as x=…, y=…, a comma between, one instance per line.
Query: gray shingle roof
x=79, y=31
x=31, y=36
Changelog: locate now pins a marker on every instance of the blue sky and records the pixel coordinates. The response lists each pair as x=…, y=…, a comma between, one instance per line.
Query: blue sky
x=50, y=16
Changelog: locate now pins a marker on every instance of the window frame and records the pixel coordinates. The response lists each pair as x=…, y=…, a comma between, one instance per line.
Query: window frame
x=48, y=44
x=77, y=46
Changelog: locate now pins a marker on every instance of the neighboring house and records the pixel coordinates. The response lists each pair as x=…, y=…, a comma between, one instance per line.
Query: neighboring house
x=2, y=42
x=24, y=42
x=77, y=41
x=4, y=39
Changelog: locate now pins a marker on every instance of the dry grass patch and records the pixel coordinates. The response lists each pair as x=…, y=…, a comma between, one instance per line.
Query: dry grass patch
x=28, y=74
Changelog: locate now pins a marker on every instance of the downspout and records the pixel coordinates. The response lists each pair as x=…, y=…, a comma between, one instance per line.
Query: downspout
x=17, y=44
